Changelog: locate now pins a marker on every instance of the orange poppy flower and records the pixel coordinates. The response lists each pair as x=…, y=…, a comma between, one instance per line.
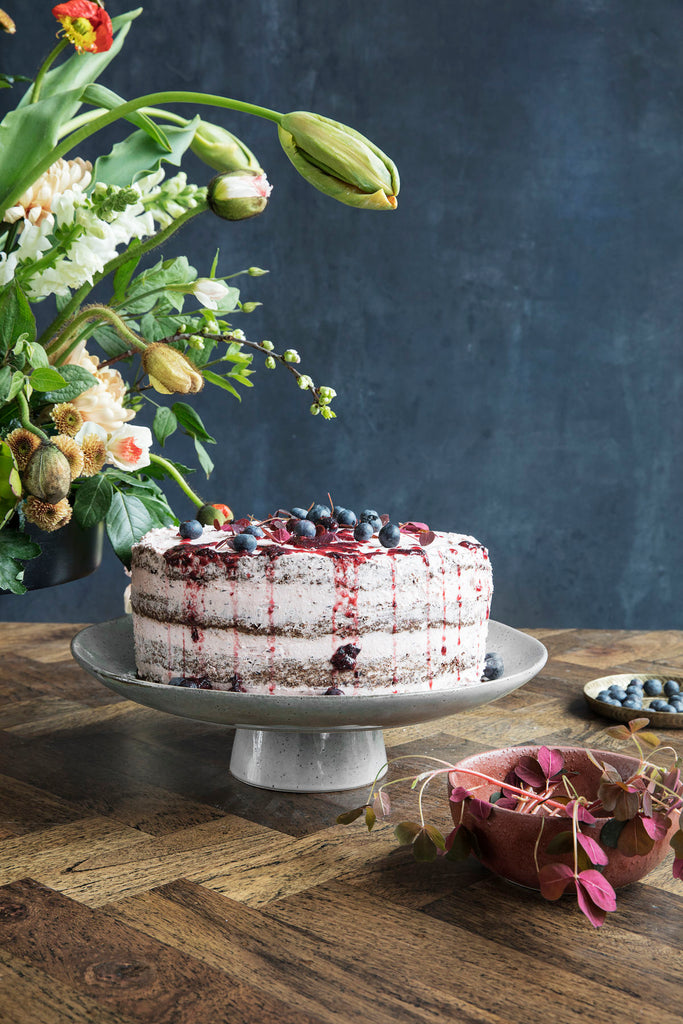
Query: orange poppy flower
x=86, y=25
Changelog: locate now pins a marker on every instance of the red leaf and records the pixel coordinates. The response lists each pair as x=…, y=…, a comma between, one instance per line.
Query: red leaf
x=426, y=537
x=413, y=527
x=598, y=889
x=480, y=808
x=596, y=915
x=384, y=519
x=508, y=802
x=656, y=826
x=633, y=840
x=280, y=536
x=678, y=868
x=595, y=852
x=554, y=879
x=582, y=814
x=551, y=762
x=459, y=794
x=529, y=770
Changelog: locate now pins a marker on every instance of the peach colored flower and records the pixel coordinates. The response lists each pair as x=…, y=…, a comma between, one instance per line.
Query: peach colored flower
x=103, y=403
x=35, y=203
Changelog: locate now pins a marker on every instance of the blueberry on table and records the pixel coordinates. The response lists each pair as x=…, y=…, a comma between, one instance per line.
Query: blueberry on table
x=244, y=542
x=604, y=696
x=658, y=705
x=493, y=666
x=363, y=531
x=390, y=536
x=652, y=687
x=190, y=529
x=617, y=692
x=303, y=528
x=635, y=703
x=671, y=687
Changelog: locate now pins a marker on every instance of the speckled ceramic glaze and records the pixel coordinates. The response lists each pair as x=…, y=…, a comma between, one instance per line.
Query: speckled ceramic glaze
x=507, y=838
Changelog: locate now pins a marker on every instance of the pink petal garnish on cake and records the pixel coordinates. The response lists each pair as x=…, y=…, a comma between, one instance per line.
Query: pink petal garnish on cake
x=414, y=527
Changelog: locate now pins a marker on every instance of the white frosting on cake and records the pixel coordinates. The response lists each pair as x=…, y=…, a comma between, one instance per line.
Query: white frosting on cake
x=272, y=620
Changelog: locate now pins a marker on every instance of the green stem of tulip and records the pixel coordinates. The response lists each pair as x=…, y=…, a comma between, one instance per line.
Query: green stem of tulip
x=25, y=417
x=79, y=136
x=44, y=67
x=91, y=115
x=175, y=475
x=74, y=304
x=64, y=342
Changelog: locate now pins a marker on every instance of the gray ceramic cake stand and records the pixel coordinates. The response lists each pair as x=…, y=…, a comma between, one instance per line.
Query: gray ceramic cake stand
x=295, y=743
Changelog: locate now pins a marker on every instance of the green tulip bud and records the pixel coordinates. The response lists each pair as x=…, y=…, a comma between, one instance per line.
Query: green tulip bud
x=238, y=195
x=267, y=345
x=304, y=381
x=169, y=371
x=326, y=395
x=291, y=356
x=315, y=409
x=222, y=150
x=339, y=161
x=270, y=363
x=48, y=474
x=256, y=272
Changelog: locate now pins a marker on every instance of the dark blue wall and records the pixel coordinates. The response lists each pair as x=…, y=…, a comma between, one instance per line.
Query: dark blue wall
x=507, y=345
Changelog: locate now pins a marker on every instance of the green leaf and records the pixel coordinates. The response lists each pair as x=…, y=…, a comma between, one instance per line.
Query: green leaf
x=15, y=548
x=191, y=421
x=370, y=818
x=158, y=508
x=47, y=379
x=220, y=382
x=148, y=288
x=610, y=832
x=406, y=831
x=108, y=340
x=127, y=521
x=139, y=155
x=78, y=380
x=93, y=498
x=204, y=457
x=348, y=816
x=435, y=836
x=165, y=423
x=563, y=842
x=16, y=317
x=99, y=96
x=424, y=848
x=37, y=356
x=461, y=845
x=125, y=272
x=5, y=384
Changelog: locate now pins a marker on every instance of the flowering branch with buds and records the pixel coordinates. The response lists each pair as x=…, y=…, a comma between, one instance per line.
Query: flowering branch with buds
x=68, y=447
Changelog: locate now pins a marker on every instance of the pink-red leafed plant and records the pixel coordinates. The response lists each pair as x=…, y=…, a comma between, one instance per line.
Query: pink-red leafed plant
x=637, y=811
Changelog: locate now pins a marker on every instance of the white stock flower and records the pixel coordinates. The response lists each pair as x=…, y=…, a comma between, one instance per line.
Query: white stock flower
x=209, y=292
x=128, y=447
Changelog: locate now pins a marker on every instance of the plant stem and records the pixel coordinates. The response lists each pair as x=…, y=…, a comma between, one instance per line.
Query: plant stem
x=25, y=417
x=182, y=483
x=112, y=266
x=51, y=57
x=62, y=344
x=75, y=139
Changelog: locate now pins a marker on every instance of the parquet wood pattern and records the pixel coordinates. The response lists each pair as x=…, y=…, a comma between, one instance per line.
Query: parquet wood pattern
x=140, y=882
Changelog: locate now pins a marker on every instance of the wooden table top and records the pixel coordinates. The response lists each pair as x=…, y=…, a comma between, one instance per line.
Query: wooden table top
x=140, y=882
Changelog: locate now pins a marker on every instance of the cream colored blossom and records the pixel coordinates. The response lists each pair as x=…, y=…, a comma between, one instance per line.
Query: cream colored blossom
x=103, y=403
x=36, y=202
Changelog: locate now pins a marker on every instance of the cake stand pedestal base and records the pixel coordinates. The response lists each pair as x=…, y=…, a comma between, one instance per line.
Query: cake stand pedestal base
x=293, y=761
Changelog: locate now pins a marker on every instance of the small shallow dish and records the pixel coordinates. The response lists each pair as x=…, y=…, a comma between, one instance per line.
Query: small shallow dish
x=660, y=719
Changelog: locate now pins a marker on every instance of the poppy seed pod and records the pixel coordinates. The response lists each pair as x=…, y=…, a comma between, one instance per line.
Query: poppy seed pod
x=238, y=195
x=48, y=474
x=222, y=150
x=339, y=161
x=169, y=371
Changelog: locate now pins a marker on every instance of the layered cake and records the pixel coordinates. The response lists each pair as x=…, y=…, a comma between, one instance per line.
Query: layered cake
x=320, y=614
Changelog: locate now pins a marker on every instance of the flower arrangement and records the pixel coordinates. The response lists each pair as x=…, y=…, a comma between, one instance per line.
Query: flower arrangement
x=635, y=805
x=68, y=443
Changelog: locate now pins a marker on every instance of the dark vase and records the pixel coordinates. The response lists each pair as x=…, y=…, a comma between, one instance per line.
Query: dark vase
x=67, y=554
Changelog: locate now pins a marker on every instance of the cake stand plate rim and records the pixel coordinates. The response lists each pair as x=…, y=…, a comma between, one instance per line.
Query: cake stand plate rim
x=105, y=650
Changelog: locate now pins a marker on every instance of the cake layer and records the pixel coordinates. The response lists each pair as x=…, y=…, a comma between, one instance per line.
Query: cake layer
x=413, y=617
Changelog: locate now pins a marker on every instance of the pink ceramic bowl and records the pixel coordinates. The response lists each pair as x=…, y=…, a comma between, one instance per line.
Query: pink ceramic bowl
x=507, y=838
